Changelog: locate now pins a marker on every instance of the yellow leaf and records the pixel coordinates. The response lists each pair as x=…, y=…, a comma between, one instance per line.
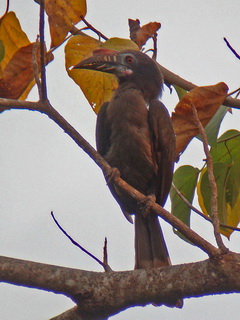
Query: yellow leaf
x=120, y=44
x=62, y=16
x=96, y=86
x=233, y=217
x=228, y=215
x=199, y=193
x=91, y=82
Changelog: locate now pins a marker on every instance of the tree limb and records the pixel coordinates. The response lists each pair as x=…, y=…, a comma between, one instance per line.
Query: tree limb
x=171, y=78
x=100, y=295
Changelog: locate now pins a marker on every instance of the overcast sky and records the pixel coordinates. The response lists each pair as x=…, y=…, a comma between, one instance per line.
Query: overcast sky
x=43, y=170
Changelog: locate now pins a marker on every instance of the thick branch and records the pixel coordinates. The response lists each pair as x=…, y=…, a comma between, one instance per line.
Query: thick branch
x=71, y=314
x=171, y=78
x=106, y=294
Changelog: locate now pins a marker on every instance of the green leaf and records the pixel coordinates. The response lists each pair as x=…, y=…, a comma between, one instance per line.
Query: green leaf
x=233, y=184
x=226, y=164
x=220, y=171
x=180, y=91
x=185, y=180
x=227, y=148
x=213, y=126
x=227, y=177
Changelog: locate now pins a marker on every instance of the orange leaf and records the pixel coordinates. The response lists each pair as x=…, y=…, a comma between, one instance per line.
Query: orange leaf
x=18, y=74
x=140, y=35
x=206, y=100
x=62, y=16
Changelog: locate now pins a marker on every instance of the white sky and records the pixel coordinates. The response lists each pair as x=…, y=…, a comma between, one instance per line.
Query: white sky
x=43, y=170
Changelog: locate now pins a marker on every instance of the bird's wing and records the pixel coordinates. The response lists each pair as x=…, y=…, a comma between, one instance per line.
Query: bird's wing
x=103, y=134
x=163, y=138
x=103, y=131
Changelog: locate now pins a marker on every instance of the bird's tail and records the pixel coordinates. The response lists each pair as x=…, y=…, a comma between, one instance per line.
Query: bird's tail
x=150, y=247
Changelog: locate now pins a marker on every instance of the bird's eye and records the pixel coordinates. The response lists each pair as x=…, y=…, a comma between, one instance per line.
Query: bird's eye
x=129, y=59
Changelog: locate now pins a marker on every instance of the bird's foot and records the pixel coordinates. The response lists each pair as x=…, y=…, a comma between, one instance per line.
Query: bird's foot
x=112, y=175
x=146, y=204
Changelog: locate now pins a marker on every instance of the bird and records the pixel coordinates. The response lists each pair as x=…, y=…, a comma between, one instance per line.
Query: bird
x=134, y=134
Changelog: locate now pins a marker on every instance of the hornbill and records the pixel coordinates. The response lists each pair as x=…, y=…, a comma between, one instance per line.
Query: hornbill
x=134, y=134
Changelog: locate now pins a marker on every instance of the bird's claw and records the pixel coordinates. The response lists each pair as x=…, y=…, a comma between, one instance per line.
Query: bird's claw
x=112, y=175
x=146, y=204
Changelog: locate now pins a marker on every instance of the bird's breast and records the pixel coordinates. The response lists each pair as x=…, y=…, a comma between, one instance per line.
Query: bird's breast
x=130, y=142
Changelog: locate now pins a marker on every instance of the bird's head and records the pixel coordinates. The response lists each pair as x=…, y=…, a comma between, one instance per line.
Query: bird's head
x=128, y=66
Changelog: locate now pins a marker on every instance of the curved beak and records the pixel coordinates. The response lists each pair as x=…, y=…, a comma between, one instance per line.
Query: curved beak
x=104, y=60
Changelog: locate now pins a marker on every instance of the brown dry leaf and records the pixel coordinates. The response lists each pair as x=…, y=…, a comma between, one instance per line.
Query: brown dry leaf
x=206, y=100
x=96, y=86
x=140, y=35
x=12, y=37
x=62, y=16
x=18, y=77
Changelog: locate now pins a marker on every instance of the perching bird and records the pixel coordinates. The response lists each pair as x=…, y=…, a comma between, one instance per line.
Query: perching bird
x=134, y=134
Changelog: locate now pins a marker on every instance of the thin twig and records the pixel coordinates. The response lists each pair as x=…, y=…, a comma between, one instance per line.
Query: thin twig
x=7, y=8
x=42, y=52
x=232, y=92
x=198, y=211
x=231, y=48
x=154, y=38
x=212, y=183
x=105, y=266
x=36, y=67
x=105, y=254
x=100, y=34
x=74, y=31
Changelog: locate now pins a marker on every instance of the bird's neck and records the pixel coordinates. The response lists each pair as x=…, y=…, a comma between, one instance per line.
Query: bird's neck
x=149, y=88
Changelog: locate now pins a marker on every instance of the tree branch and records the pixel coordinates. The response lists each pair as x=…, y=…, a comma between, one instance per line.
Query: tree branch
x=171, y=78
x=71, y=314
x=99, y=295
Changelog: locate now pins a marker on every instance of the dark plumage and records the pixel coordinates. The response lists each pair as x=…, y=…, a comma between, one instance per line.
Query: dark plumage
x=134, y=134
